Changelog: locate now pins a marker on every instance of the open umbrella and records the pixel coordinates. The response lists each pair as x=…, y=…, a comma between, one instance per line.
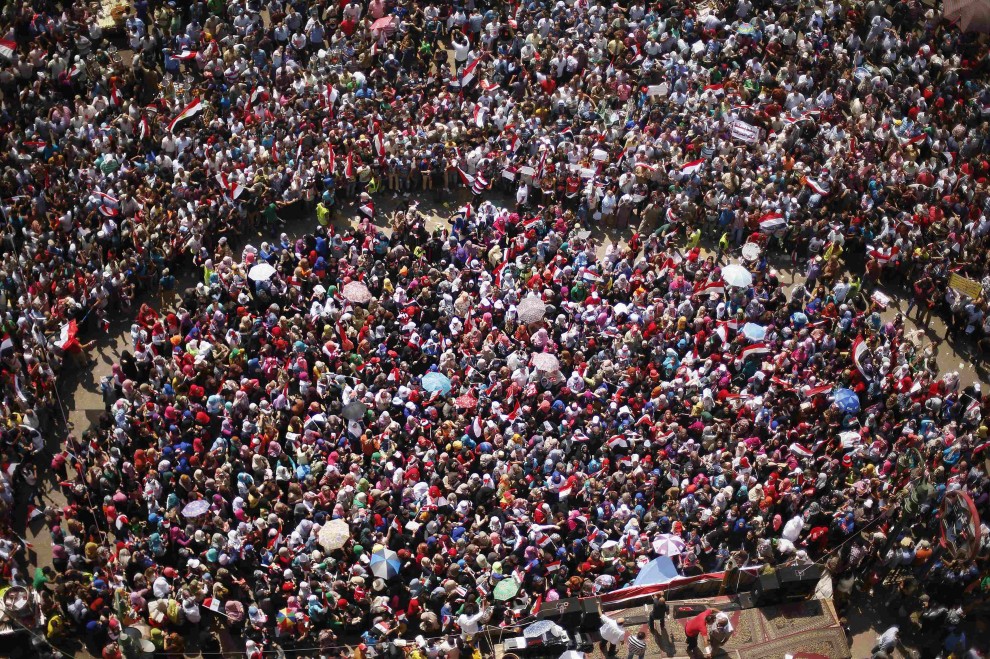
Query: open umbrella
x=505, y=589
x=386, y=23
x=334, y=534
x=261, y=272
x=847, y=401
x=667, y=544
x=356, y=292
x=531, y=310
x=466, y=402
x=736, y=275
x=287, y=617
x=754, y=332
x=354, y=410
x=385, y=564
x=546, y=362
x=970, y=15
x=537, y=629
x=196, y=508
x=434, y=381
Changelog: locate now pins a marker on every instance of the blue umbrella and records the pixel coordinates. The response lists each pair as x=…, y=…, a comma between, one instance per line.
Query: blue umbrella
x=754, y=332
x=847, y=401
x=434, y=381
x=385, y=564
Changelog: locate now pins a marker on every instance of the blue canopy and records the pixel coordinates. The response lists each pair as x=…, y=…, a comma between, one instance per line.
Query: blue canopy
x=847, y=401
x=659, y=570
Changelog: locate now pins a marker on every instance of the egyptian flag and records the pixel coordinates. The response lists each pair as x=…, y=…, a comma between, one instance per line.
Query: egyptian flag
x=693, y=166
x=884, y=257
x=708, y=288
x=144, y=129
x=908, y=141
x=331, y=95
x=378, y=141
x=466, y=75
x=115, y=98
x=820, y=187
x=771, y=220
x=497, y=274
x=368, y=208
x=185, y=55
x=349, y=169
x=188, y=112
x=109, y=201
x=800, y=450
x=37, y=145
x=8, y=48
x=755, y=349
x=859, y=350
x=722, y=332
x=718, y=90
x=815, y=391
x=331, y=160
x=232, y=189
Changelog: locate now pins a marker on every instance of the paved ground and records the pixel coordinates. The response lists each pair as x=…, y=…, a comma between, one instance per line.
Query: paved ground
x=83, y=404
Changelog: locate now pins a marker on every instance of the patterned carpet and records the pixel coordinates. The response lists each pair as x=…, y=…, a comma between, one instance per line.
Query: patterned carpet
x=805, y=630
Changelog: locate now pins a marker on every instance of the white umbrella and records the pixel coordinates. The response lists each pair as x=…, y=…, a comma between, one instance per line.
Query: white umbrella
x=357, y=292
x=736, y=275
x=261, y=272
x=334, y=534
x=970, y=15
x=546, y=362
x=667, y=544
x=531, y=310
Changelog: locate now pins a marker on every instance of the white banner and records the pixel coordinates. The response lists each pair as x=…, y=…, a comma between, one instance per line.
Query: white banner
x=745, y=132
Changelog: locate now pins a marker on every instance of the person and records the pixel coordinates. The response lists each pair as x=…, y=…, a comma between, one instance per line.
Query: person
x=719, y=632
x=612, y=633
x=658, y=612
x=887, y=642
x=695, y=628
x=637, y=645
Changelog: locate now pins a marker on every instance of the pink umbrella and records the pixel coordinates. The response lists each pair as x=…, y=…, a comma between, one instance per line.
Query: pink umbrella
x=385, y=23
x=970, y=15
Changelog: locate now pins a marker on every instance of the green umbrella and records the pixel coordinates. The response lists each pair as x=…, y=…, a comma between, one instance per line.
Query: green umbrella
x=506, y=589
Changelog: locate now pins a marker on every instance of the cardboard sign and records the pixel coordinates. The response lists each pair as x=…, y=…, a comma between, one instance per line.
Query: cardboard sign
x=966, y=286
x=657, y=90
x=745, y=132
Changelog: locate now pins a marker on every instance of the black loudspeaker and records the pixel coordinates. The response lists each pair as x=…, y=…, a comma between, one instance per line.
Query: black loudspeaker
x=767, y=590
x=567, y=613
x=591, y=620
x=799, y=582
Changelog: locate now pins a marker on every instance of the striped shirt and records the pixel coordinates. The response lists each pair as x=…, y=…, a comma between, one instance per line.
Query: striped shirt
x=637, y=646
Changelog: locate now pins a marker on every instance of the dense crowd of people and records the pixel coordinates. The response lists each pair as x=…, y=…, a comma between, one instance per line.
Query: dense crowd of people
x=506, y=399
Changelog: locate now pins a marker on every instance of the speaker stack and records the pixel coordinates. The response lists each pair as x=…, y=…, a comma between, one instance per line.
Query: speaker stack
x=786, y=584
x=573, y=613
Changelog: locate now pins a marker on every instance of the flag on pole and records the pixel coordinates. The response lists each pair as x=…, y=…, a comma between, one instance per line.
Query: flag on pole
x=349, y=169
x=466, y=74
x=859, y=351
x=232, y=189
x=331, y=160
x=188, y=112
